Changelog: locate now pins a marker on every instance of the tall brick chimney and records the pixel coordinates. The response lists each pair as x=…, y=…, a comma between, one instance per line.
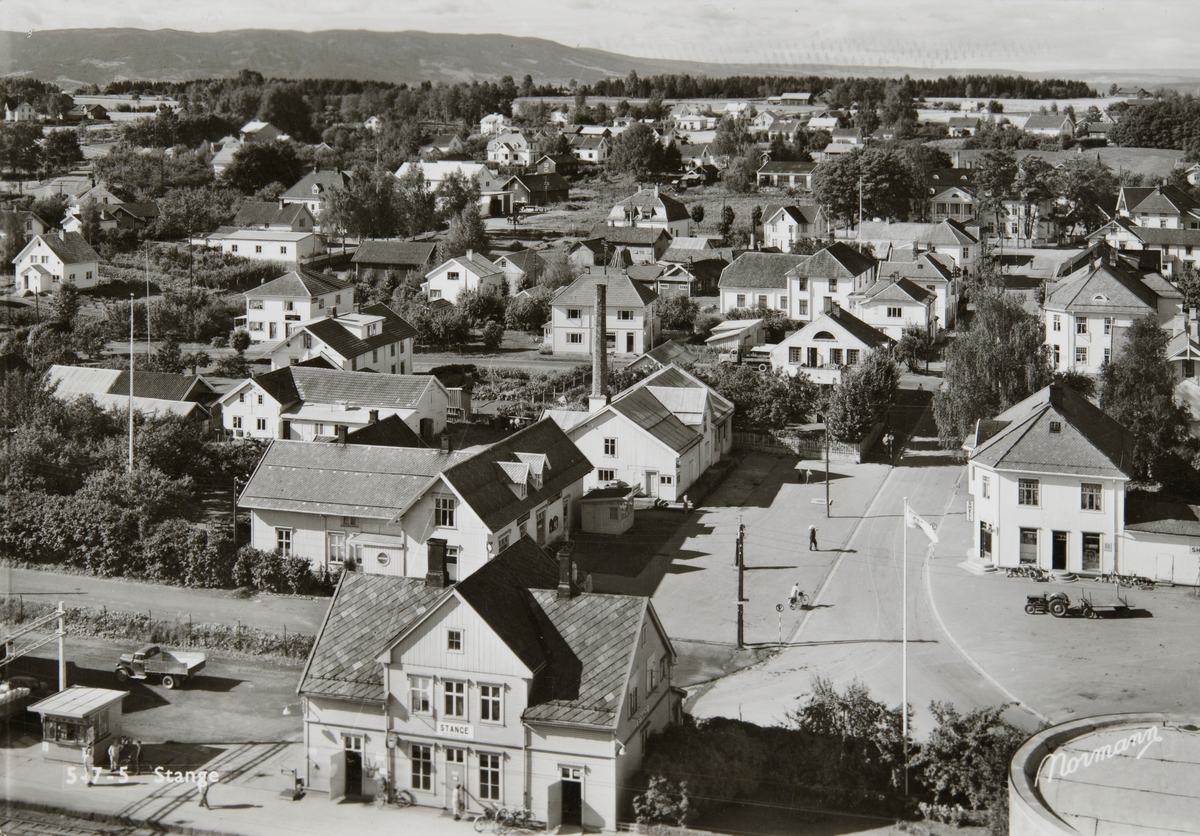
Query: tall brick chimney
x=599, y=397
x=566, y=588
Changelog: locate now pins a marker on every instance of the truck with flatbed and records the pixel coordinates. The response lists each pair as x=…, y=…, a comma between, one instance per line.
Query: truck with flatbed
x=174, y=667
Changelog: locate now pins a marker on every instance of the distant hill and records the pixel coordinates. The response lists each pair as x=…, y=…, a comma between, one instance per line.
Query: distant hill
x=71, y=57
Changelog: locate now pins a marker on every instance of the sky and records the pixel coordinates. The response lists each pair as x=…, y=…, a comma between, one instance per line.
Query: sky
x=1016, y=35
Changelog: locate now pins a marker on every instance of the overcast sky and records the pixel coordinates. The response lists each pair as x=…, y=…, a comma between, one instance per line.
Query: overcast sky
x=1017, y=35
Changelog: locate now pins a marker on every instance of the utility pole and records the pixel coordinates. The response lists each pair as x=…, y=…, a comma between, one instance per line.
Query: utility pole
x=131, y=382
x=827, y=467
x=741, y=605
x=860, y=215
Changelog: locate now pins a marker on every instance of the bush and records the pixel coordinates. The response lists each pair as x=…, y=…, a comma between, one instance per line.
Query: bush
x=678, y=311
x=273, y=572
x=493, y=335
x=662, y=803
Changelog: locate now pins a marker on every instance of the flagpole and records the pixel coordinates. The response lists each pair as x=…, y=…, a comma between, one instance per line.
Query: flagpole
x=904, y=647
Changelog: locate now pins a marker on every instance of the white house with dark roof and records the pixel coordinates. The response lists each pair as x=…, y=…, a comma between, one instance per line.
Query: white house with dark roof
x=304, y=403
x=1049, y=124
x=650, y=209
x=786, y=175
x=831, y=275
x=757, y=280
x=658, y=435
x=892, y=304
x=328, y=502
x=255, y=131
x=49, y=259
x=313, y=190
x=401, y=256
x=1087, y=311
x=435, y=173
x=833, y=341
x=375, y=339
x=275, y=309
x=473, y=271
x=947, y=237
x=643, y=244
x=631, y=319
x=1161, y=207
x=512, y=688
x=934, y=272
x=155, y=394
x=1047, y=478
x=513, y=148
x=785, y=225
x=521, y=268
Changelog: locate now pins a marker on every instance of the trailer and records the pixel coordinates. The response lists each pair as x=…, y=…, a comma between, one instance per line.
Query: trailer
x=174, y=667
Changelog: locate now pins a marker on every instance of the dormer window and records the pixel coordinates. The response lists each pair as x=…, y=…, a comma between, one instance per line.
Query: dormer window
x=1056, y=427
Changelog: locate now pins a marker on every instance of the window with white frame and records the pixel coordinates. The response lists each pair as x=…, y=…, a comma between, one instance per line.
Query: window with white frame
x=633, y=701
x=434, y=293
x=260, y=424
x=575, y=338
x=1108, y=356
x=794, y=354
x=335, y=546
x=443, y=511
x=833, y=285
x=666, y=480
x=422, y=767
x=985, y=487
x=352, y=522
x=651, y=670
x=452, y=553
x=420, y=694
x=852, y=356
x=283, y=541
x=454, y=640
x=1028, y=492
x=1081, y=355
x=1090, y=495
x=503, y=542
x=606, y=475
x=574, y=313
x=489, y=703
x=610, y=447
x=489, y=776
x=1057, y=323
x=1081, y=325
x=452, y=276
x=256, y=304
x=741, y=300
x=1108, y=325
x=894, y=313
x=237, y=422
x=455, y=700
x=625, y=316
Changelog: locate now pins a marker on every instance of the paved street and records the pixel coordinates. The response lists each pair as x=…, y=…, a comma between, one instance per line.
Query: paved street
x=854, y=630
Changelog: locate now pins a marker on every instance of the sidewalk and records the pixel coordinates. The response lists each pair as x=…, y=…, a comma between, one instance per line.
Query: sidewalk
x=246, y=799
x=266, y=612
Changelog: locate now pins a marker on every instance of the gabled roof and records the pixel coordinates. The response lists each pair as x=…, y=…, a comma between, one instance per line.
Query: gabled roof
x=855, y=327
x=1087, y=442
x=652, y=415
x=475, y=479
x=71, y=248
x=786, y=168
x=142, y=211
x=1045, y=121
x=386, y=432
x=942, y=178
x=268, y=213
x=1112, y=287
x=341, y=340
x=673, y=377
x=1156, y=236
x=477, y=264
x=1165, y=200
x=80, y=380
x=328, y=386
x=898, y=290
x=324, y=180
x=760, y=270
x=539, y=183
x=665, y=354
x=926, y=266
x=527, y=261
x=629, y=236
x=839, y=261
x=622, y=292
x=343, y=480
x=799, y=214
x=299, y=284
x=279, y=384
x=945, y=233
x=410, y=254
x=668, y=207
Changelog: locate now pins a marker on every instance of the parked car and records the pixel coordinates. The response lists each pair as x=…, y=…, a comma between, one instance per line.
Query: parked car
x=174, y=667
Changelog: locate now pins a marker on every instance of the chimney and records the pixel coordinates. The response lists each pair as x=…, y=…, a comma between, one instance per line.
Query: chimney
x=566, y=590
x=445, y=442
x=435, y=560
x=470, y=254
x=836, y=308
x=599, y=397
x=828, y=305
x=62, y=236
x=373, y=416
x=341, y=434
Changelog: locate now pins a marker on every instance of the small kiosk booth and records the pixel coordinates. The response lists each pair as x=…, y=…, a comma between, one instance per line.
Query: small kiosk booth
x=74, y=717
x=607, y=510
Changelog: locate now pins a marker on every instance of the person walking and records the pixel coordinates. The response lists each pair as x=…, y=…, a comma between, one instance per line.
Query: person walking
x=88, y=750
x=114, y=754
x=808, y=475
x=136, y=766
x=812, y=539
x=460, y=803
x=202, y=785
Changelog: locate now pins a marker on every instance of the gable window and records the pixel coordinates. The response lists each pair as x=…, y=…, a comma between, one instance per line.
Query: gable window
x=985, y=487
x=852, y=356
x=835, y=357
x=260, y=400
x=455, y=694
x=452, y=276
x=793, y=354
x=422, y=767
x=1090, y=495
x=283, y=541
x=489, y=703
x=633, y=701
x=573, y=313
x=420, y=694
x=443, y=511
x=256, y=304
x=833, y=285
x=610, y=447
x=454, y=641
x=306, y=339
x=1028, y=492
x=802, y=282
x=625, y=316
x=894, y=313
x=606, y=475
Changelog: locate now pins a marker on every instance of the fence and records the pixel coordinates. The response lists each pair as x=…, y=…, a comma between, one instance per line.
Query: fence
x=808, y=444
